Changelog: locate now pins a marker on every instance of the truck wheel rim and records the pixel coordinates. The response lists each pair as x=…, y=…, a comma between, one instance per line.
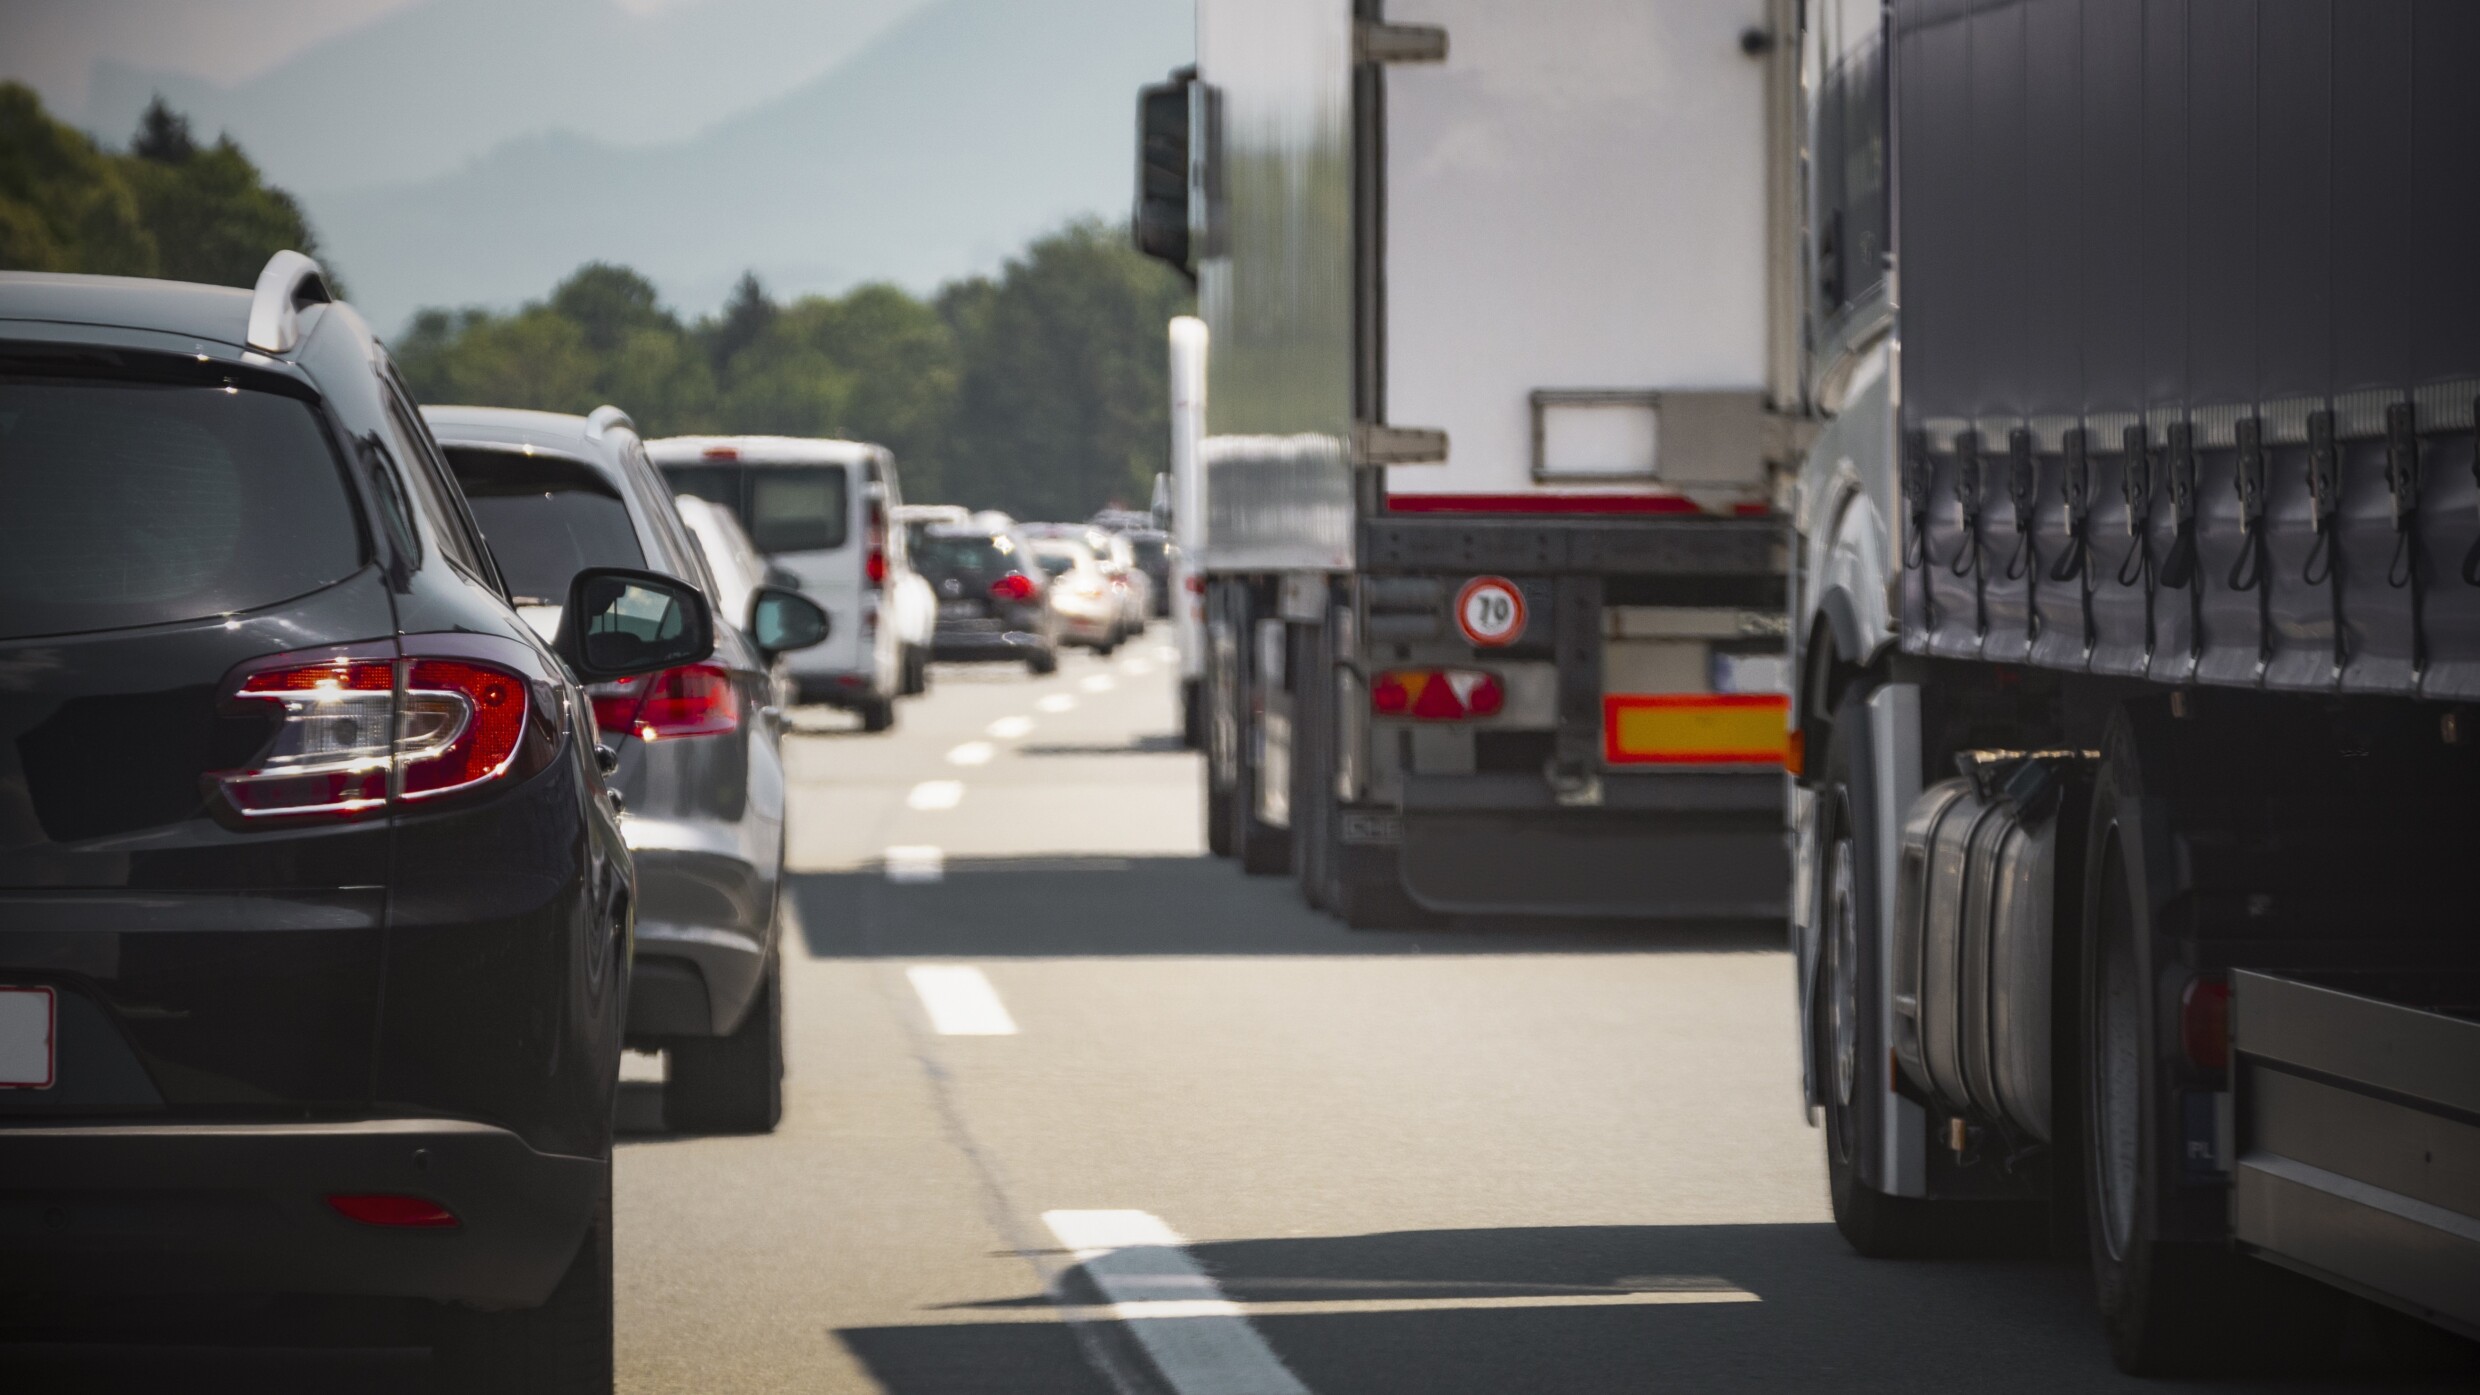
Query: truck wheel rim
x=1842, y=955
x=2117, y=1069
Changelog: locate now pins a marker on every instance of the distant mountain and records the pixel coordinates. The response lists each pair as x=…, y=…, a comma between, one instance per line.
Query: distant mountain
x=937, y=150
x=419, y=93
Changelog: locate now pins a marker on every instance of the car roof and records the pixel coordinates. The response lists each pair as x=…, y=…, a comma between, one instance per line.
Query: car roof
x=515, y=426
x=219, y=314
x=763, y=450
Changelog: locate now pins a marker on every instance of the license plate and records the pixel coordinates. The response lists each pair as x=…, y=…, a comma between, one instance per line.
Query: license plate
x=29, y=1025
x=960, y=610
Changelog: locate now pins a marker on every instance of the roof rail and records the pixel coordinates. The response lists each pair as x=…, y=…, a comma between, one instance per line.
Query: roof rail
x=605, y=417
x=287, y=283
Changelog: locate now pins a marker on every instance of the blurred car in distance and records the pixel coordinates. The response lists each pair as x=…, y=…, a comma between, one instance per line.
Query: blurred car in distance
x=822, y=509
x=1153, y=553
x=698, y=761
x=994, y=597
x=1129, y=581
x=739, y=570
x=1091, y=612
x=319, y=1025
x=916, y=519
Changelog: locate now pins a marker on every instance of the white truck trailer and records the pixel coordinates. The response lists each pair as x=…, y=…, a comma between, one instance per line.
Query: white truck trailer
x=2136, y=631
x=1483, y=500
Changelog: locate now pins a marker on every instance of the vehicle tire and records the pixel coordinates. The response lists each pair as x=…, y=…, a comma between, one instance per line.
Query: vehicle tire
x=1042, y=663
x=1192, y=715
x=560, y=1348
x=1218, y=819
x=1262, y=849
x=2174, y=1297
x=1845, y=1029
x=732, y=1084
x=916, y=673
x=877, y=714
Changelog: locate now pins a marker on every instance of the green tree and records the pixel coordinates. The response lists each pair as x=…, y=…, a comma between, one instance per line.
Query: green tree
x=1063, y=403
x=64, y=205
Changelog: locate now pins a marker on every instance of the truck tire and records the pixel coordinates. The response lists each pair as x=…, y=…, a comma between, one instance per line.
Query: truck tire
x=1218, y=817
x=1192, y=715
x=1262, y=849
x=560, y=1348
x=1845, y=1028
x=732, y=1084
x=2173, y=1301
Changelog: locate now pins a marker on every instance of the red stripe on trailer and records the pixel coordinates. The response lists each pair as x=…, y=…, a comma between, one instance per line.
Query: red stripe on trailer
x=1540, y=503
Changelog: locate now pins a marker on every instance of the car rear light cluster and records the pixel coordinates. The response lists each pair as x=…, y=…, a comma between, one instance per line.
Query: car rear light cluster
x=874, y=565
x=1437, y=694
x=351, y=727
x=692, y=700
x=1015, y=586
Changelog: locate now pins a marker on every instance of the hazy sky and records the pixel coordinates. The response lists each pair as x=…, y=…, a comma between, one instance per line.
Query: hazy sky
x=52, y=45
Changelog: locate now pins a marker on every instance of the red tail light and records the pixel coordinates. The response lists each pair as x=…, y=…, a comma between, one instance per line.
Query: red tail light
x=1196, y=585
x=350, y=726
x=393, y=1210
x=876, y=567
x=693, y=700
x=1015, y=586
x=2204, y=1023
x=1437, y=694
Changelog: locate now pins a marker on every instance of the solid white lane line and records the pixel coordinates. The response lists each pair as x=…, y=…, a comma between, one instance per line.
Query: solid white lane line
x=1098, y=683
x=1138, y=1262
x=913, y=863
x=1167, y=1309
x=1010, y=728
x=970, y=753
x=936, y=794
x=961, y=1002
x=1057, y=702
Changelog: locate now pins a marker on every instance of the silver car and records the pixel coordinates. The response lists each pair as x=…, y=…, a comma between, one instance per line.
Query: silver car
x=695, y=749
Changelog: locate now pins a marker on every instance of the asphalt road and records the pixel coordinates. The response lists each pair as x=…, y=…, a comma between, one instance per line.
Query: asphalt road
x=1075, y=1108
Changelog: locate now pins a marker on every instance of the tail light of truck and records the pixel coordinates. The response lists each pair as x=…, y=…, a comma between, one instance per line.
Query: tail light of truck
x=1437, y=694
x=350, y=728
x=1015, y=586
x=2204, y=1024
x=692, y=700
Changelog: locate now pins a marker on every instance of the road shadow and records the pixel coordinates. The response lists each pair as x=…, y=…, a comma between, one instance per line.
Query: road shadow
x=1051, y=907
x=1822, y=1318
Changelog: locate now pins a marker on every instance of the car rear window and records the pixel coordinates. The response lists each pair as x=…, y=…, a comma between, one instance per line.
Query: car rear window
x=975, y=554
x=125, y=503
x=783, y=508
x=547, y=518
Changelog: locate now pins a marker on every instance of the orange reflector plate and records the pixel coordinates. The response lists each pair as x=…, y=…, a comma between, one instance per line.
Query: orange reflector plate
x=1694, y=728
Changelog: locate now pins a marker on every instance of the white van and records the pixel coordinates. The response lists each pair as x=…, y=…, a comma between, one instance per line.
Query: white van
x=821, y=510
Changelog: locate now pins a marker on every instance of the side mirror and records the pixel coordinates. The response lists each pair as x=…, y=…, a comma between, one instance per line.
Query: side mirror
x=620, y=622
x=781, y=621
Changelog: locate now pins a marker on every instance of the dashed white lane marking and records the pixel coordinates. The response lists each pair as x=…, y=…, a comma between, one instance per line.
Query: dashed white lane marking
x=1143, y=1268
x=1010, y=728
x=970, y=753
x=1098, y=683
x=914, y=863
x=1057, y=702
x=961, y=1002
x=936, y=794
x=1136, y=668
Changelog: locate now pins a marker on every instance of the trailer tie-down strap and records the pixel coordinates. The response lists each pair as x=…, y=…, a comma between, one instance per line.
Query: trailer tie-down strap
x=2135, y=484
x=2023, y=488
x=2402, y=484
x=2325, y=517
x=2075, y=564
x=1919, y=484
x=1971, y=483
x=2178, y=570
x=2247, y=571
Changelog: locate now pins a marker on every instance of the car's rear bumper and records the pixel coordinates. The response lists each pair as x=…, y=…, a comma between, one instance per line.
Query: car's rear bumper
x=243, y=1208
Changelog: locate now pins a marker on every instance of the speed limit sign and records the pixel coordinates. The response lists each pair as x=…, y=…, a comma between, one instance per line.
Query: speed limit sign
x=1490, y=612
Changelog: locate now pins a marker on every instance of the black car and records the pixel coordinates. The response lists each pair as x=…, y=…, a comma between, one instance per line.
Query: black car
x=1154, y=553
x=994, y=597
x=700, y=760
x=306, y=858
